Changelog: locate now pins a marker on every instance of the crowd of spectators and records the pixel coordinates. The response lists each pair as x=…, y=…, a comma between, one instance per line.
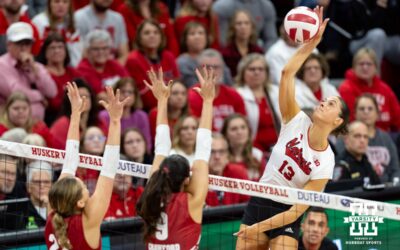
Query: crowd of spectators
x=101, y=43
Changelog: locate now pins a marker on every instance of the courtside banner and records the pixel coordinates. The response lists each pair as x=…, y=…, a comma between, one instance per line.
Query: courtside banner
x=58, y=156
x=277, y=193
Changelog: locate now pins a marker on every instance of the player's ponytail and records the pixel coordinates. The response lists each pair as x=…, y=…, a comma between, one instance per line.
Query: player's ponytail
x=166, y=180
x=63, y=198
x=60, y=229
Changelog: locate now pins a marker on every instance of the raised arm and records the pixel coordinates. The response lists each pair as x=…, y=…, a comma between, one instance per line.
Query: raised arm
x=198, y=185
x=284, y=218
x=98, y=203
x=287, y=101
x=161, y=92
x=78, y=103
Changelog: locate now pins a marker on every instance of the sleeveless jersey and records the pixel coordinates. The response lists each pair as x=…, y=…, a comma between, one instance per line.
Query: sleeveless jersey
x=74, y=233
x=176, y=230
x=293, y=162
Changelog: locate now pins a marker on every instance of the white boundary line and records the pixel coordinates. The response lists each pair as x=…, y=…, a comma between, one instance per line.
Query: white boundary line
x=278, y=193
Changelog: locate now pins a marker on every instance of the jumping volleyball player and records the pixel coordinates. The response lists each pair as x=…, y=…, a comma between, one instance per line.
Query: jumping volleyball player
x=172, y=202
x=302, y=158
x=75, y=218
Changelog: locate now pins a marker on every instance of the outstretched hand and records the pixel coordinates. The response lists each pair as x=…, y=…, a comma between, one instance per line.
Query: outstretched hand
x=77, y=102
x=248, y=231
x=319, y=10
x=113, y=105
x=207, y=81
x=160, y=90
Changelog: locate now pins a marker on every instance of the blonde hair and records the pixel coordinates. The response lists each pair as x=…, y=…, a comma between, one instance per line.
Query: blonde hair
x=365, y=52
x=245, y=63
x=63, y=197
x=5, y=119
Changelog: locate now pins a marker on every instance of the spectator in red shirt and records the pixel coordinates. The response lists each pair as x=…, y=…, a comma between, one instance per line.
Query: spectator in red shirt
x=241, y=40
x=363, y=78
x=199, y=11
x=177, y=107
x=89, y=116
x=134, y=12
x=55, y=57
x=150, y=53
x=237, y=132
x=261, y=99
x=97, y=68
x=18, y=114
x=219, y=165
x=11, y=13
x=123, y=199
x=227, y=101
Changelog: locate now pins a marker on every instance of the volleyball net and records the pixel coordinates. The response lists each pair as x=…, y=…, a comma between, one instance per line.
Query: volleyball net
x=354, y=223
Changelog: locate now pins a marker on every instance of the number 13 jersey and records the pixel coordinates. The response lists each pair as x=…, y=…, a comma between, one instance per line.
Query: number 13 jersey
x=293, y=162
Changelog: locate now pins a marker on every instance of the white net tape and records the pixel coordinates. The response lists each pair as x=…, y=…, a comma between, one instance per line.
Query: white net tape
x=278, y=193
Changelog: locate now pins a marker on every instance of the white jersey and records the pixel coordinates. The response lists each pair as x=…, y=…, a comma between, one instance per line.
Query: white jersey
x=293, y=162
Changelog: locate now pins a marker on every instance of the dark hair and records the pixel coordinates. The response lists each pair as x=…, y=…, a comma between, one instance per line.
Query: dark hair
x=322, y=62
x=52, y=37
x=168, y=179
x=130, y=81
x=138, y=45
x=70, y=22
x=345, y=115
x=231, y=33
x=93, y=119
x=185, y=109
x=316, y=210
x=188, y=27
x=247, y=153
x=123, y=137
x=367, y=96
x=154, y=7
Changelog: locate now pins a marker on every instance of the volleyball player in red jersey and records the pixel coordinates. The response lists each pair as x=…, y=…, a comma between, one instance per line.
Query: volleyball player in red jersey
x=74, y=219
x=172, y=202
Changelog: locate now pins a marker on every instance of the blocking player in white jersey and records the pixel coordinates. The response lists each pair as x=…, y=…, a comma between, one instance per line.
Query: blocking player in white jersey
x=302, y=158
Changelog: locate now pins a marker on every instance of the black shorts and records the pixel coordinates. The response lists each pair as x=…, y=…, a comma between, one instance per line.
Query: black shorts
x=259, y=209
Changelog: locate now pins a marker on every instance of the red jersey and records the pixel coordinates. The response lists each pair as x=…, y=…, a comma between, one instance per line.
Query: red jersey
x=232, y=55
x=227, y=102
x=22, y=18
x=138, y=65
x=61, y=81
x=266, y=135
x=353, y=87
x=179, y=230
x=74, y=232
x=59, y=131
x=123, y=207
x=134, y=19
x=40, y=128
x=217, y=198
x=112, y=72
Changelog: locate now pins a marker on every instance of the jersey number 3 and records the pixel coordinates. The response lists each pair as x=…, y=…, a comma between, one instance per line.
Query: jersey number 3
x=162, y=227
x=286, y=171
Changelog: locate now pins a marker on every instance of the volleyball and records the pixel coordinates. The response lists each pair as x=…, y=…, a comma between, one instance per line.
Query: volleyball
x=301, y=24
